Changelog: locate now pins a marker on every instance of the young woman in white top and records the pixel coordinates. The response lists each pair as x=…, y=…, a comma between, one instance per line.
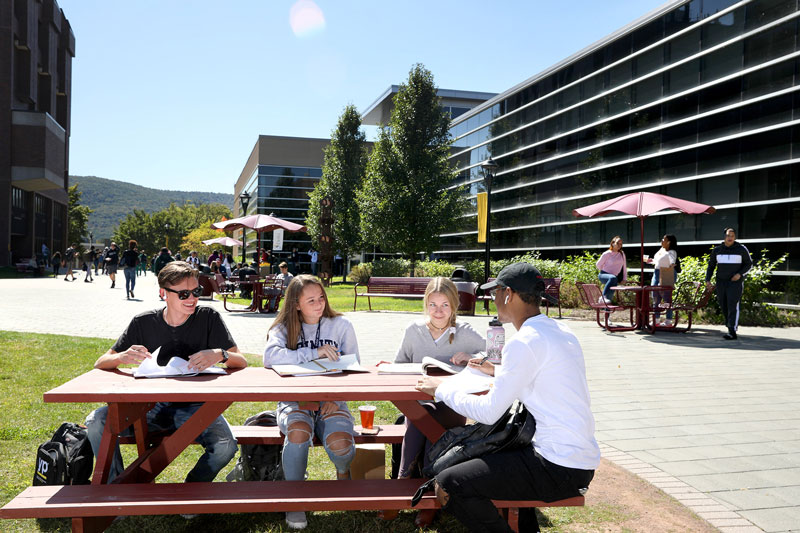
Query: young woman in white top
x=307, y=328
x=664, y=274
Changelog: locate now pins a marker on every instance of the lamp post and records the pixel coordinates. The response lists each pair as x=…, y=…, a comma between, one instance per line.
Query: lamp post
x=91, y=239
x=244, y=199
x=489, y=168
x=166, y=234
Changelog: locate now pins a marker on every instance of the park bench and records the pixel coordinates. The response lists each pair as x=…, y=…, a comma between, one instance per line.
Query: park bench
x=391, y=288
x=591, y=296
x=688, y=297
x=552, y=287
x=24, y=267
x=96, y=505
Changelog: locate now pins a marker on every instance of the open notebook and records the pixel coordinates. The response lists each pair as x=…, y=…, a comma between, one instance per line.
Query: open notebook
x=427, y=366
x=175, y=367
x=318, y=367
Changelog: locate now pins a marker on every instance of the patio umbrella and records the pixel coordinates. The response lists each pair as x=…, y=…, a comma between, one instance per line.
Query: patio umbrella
x=641, y=205
x=224, y=241
x=260, y=223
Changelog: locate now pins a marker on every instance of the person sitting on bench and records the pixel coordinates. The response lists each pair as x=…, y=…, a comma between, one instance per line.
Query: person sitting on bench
x=181, y=329
x=543, y=367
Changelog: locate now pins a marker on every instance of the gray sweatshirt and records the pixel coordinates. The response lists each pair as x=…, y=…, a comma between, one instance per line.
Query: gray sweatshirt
x=418, y=343
x=337, y=331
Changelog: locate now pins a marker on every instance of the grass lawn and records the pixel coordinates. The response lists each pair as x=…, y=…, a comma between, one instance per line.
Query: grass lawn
x=32, y=364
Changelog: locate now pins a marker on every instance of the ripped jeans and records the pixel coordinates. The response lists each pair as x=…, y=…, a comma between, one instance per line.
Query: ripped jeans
x=217, y=439
x=340, y=448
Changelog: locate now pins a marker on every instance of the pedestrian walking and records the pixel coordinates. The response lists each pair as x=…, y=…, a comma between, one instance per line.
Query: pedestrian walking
x=162, y=260
x=294, y=261
x=142, y=266
x=732, y=261
x=193, y=260
x=69, y=259
x=129, y=262
x=314, y=255
x=88, y=257
x=111, y=262
x=56, y=262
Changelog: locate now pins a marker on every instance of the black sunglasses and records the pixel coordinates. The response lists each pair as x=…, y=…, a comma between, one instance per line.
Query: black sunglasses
x=184, y=294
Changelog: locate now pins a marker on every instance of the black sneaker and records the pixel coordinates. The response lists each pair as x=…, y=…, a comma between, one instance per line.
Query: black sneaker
x=730, y=336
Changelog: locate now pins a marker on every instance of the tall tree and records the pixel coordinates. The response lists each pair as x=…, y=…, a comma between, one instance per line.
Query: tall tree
x=78, y=216
x=405, y=203
x=342, y=175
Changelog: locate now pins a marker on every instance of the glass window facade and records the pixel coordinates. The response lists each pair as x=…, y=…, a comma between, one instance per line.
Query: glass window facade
x=701, y=102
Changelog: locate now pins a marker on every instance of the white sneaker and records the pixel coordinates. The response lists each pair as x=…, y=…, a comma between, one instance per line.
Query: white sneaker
x=601, y=300
x=296, y=520
x=668, y=322
x=606, y=300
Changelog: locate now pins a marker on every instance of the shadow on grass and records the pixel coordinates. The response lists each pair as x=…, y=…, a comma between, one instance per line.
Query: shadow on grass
x=321, y=522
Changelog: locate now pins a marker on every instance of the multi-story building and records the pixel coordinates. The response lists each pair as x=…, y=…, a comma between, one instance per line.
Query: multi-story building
x=697, y=100
x=36, y=50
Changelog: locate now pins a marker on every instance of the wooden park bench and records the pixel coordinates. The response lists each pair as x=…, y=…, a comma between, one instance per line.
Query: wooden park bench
x=552, y=287
x=391, y=288
x=97, y=505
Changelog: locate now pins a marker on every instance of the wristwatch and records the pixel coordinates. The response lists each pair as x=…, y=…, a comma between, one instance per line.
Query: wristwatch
x=224, y=356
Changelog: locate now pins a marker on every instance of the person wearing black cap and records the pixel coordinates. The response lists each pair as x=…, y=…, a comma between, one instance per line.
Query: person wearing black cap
x=543, y=367
x=181, y=329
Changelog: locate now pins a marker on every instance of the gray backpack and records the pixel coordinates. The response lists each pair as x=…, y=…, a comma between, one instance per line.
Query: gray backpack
x=258, y=462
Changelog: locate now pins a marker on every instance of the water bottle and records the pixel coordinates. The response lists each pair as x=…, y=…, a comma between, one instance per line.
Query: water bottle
x=495, y=340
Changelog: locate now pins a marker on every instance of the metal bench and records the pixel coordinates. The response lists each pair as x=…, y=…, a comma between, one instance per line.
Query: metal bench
x=688, y=297
x=391, y=288
x=591, y=297
x=552, y=287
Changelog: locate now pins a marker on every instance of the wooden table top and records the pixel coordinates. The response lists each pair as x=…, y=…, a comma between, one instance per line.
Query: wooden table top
x=245, y=385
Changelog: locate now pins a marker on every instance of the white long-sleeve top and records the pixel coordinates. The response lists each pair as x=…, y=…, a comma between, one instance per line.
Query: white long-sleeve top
x=337, y=331
x=543, y=367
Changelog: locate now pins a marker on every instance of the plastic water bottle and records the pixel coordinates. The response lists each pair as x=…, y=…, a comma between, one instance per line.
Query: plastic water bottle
x=495, y=340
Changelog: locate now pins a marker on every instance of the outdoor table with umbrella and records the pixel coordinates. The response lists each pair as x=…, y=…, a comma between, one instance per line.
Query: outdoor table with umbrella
x=260, y=224
x=641, y=205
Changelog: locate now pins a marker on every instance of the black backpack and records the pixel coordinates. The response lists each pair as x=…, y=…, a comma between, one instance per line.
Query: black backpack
x=66, y=459
x=259, y=462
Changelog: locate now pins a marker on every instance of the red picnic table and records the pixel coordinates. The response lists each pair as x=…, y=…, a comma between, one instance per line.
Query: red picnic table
x=94, y=506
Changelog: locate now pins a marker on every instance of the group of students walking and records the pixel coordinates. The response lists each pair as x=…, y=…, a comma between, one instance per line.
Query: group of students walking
x=730, y=259
x=543, y=367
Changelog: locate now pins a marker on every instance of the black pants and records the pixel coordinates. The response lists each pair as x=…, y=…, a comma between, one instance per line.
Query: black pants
x=729, y=294
x=515, y=475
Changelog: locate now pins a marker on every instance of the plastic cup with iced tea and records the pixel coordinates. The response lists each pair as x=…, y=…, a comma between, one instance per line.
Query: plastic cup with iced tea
x=367, y=413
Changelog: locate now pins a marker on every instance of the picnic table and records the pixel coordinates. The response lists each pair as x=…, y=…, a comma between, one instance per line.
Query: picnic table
x=93, y=507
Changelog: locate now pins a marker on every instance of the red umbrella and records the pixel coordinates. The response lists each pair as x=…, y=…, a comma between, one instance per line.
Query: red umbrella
x=260, y=223
x=224, y=241
x=642, y=204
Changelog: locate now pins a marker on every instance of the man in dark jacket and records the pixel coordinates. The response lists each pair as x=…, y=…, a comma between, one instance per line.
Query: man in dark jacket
x=162, y=260
x=732, y=261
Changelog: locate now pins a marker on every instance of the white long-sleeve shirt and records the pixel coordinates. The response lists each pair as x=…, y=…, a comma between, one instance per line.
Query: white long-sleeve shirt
x=337, y=331
x=543, y=366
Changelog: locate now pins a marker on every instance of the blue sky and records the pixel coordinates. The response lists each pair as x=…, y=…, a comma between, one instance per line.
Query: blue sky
x=173, y=94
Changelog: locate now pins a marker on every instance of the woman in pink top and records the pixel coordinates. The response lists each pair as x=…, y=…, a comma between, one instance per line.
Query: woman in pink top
x=612, y=267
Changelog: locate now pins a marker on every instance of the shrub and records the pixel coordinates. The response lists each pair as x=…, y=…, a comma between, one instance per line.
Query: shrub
x=431, y=269
x=360, y=273
x=391, y=268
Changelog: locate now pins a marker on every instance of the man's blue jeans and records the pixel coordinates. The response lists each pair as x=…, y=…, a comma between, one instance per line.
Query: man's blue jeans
x=608, y=280
x=217, y=439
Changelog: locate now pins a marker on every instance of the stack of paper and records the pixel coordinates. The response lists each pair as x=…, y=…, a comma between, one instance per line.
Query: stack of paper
x=175, y=367
x=319, y=367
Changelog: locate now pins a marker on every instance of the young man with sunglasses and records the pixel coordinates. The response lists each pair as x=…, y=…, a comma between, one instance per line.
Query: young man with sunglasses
x=181, y=329
x=543, y=367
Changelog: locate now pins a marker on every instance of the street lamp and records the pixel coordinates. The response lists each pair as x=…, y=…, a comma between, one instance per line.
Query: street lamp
x=489, y=168
x=244, y=199
x=166, y=232
x=91, y=239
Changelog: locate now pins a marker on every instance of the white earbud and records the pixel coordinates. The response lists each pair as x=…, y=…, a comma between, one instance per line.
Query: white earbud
x=506, y=299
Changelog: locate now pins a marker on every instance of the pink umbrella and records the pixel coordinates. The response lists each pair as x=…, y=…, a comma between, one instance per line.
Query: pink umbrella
x=642, y=204
x=224, y=241
x=260, y=223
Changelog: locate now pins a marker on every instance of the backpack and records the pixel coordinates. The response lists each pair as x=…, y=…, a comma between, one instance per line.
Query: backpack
x=66, y=459
x=259, y=462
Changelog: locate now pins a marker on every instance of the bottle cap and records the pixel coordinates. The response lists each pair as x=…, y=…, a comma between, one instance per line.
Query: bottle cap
x=495, y=322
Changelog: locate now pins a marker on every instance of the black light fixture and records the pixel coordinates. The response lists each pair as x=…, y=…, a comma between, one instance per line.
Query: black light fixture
x=489, y=168
x=244, y=199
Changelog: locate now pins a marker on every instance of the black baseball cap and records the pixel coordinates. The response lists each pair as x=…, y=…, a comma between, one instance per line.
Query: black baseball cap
x=520, y=277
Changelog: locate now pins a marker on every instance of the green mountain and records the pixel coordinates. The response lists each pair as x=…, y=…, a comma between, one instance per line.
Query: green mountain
x=112, y=200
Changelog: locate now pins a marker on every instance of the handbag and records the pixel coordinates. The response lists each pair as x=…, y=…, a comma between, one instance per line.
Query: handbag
x=512, y=431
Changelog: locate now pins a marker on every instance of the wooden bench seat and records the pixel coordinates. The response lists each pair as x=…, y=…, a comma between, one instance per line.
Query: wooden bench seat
x=388, y=434
x=552, y=287
x=88, y=501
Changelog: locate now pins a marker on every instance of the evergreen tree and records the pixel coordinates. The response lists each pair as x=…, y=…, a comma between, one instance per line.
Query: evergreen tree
x=405, y=203
x=342, y=175
x=78, y=216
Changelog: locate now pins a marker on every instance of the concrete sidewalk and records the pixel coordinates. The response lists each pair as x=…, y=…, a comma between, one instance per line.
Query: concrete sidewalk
x=714, y=423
